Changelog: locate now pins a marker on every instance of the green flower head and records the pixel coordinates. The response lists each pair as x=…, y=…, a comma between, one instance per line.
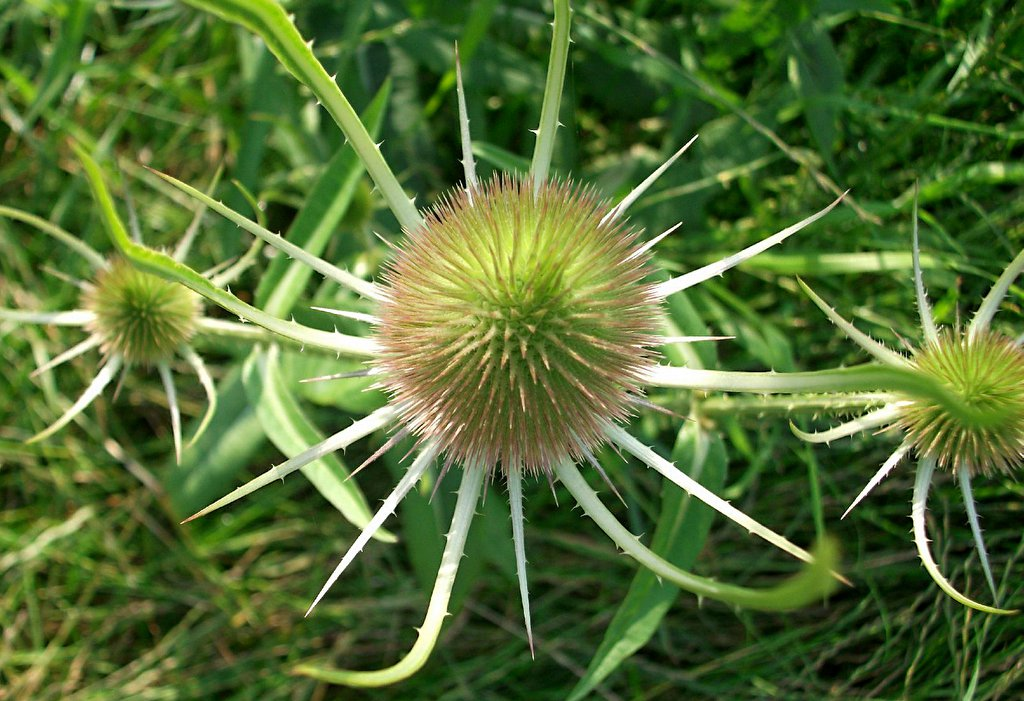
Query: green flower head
x=139, y=316
x=986, y=371
x=516, y=327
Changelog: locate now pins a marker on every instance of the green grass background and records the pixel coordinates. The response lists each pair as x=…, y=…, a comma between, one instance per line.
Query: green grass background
x=104, y=596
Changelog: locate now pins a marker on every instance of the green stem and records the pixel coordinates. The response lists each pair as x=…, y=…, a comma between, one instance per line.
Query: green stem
x=214, y=334
x=860, y=378
x=437, y=609
x=223, y=328
x=794, y=404
x=812, y=584
x=553, y=86
x=269, y=20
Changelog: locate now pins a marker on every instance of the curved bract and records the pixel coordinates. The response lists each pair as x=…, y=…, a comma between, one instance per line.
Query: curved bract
x=810, y=586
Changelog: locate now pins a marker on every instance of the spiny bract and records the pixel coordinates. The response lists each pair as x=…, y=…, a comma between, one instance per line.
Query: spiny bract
x=516, y=326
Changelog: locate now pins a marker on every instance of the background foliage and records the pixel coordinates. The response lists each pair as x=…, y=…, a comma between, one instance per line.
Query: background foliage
x=104, y=596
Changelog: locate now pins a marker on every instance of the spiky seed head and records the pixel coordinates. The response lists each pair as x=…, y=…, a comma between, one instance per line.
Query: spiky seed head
x=142, y=317
x=515, y=327
x=987, y=373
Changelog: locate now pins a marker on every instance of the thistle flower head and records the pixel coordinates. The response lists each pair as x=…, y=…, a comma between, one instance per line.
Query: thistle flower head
x=139, y=316
x=986, y=371
x=516, y=327
x=970, y=420
x=131, y=316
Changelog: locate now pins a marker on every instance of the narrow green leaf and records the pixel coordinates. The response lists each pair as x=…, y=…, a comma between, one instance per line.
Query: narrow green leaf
x=817, y=75
x=67, y=238
x=679, y=536
x=810, y=264
x=474, y=29
x=503, y=160
x=64, y=60
x=268, y=98
x=288, y=428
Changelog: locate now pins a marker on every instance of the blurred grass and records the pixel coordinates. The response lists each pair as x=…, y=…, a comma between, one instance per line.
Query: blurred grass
x=103, y=596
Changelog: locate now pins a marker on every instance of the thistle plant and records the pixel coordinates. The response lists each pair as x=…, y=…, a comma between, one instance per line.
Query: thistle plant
x=956, y=400
x=133, y=319
x=984, y=436
x=514, y=330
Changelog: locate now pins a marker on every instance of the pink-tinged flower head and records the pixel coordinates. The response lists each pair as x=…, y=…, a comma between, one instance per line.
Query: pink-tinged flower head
x=515, y=328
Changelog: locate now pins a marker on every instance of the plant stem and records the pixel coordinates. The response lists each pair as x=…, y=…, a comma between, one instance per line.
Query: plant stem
x=545, y=145
x=793, y=404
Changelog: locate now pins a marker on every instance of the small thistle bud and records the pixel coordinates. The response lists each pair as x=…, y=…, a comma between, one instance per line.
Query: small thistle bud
x=139, y=316
x=516, y=327
x=987, y=372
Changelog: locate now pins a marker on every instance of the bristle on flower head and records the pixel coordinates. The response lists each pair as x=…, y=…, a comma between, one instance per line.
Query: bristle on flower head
x=987, y=373
x=516, y=327
x=139, y=316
